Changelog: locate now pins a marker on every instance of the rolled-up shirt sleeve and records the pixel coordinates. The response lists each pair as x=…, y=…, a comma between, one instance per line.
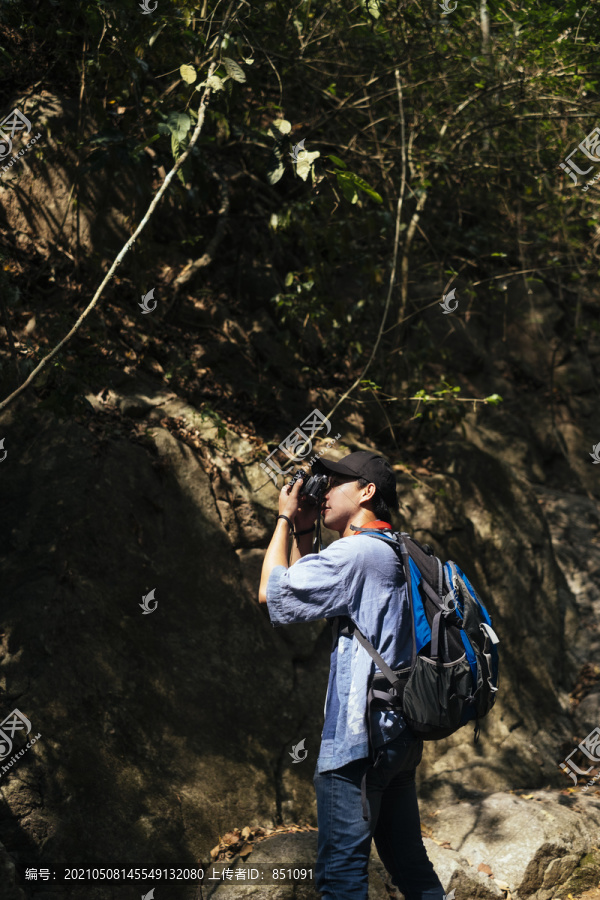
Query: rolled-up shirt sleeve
x=313, y=588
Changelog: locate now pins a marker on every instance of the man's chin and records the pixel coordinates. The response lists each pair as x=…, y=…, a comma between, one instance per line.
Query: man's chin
x=328, y=520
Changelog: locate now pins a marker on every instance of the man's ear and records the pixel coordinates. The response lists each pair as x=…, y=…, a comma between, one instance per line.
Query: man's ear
x=368, y=492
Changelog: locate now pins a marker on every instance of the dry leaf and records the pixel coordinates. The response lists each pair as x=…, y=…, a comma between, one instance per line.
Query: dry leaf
x=246, y=850
x=483, y=868
x=246, y=832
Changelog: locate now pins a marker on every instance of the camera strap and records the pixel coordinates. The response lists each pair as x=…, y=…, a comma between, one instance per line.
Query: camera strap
x=317, y=541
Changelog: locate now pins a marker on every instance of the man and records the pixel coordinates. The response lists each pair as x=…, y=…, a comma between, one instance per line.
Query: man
x=356, y=579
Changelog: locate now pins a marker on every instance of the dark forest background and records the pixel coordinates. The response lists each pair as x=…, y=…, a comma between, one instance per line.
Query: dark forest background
x=346, y=166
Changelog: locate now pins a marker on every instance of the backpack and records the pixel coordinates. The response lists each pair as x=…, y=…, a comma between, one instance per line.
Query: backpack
x=453, y=675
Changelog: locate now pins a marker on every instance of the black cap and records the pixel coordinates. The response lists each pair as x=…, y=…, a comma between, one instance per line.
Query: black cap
x=364, y=464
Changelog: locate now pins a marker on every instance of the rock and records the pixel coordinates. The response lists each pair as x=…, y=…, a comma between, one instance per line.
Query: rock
x=298, y=851
x=533, y=843
x=9, y=890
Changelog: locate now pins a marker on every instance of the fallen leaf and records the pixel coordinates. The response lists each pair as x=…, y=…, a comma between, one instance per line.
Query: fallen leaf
x=483, y=868
x=246, y=850
x=246, y=832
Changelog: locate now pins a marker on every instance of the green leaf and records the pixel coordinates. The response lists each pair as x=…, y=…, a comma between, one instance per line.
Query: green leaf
x=156, y=34
x=354, y=180
x=179, y=124
x=495, y=399
x=233, y=70
x=174, y=145
x=372, y=7
x=188, y=73
x=276, y=168
x=289, y=279
x=304, y=163
x=337, y=161
x=348, y=189
x=146, y=143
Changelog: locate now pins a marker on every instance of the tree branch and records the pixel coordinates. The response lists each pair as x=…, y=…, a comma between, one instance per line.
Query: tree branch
x=395, y=258
x=207, y=257
x=178, y=164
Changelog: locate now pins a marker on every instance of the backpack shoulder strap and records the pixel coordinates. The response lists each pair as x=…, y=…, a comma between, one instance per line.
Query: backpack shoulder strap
x=429, y=566
x=395, y=541
x=426, y=562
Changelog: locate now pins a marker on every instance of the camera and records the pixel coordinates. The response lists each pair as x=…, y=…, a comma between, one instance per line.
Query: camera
x=314, y=487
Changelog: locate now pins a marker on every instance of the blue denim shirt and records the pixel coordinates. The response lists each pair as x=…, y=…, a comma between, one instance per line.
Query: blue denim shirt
x=360, y=577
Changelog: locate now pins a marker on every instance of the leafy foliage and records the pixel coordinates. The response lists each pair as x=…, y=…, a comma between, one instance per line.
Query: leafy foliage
x=472, y=131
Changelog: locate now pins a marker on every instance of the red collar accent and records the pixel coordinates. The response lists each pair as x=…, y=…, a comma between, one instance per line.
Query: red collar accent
x=376, y=524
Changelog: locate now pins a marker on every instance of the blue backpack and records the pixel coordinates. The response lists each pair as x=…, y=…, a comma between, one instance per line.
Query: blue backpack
x=453, y=675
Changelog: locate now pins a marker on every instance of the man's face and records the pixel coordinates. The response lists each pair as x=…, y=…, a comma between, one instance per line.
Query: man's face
x=341, y=501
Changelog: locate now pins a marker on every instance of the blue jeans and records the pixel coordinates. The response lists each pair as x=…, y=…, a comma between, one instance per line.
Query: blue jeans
x=345, y=837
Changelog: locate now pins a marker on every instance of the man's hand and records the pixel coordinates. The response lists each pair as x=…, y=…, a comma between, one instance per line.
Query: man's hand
x=288, y=500
x=302, y=513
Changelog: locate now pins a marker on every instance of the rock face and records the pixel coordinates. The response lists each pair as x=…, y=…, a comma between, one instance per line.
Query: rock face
x=162, y=731
x=526, y=846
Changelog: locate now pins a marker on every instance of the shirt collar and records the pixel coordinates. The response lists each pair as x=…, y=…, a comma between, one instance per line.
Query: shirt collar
x=376, y=524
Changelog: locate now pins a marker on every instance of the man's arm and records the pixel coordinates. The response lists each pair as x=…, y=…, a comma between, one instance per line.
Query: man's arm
x=277, y=551
x=276, y=555
x=301, y=545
